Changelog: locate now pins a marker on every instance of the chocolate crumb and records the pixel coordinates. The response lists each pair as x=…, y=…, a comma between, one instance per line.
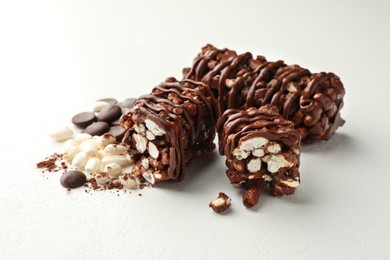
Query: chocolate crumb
x=64, y=166
x=92, y=184
x=114, y=185
x=221, y=203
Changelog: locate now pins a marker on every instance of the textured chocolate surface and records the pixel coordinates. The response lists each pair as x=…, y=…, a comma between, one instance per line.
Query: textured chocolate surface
x=184, y=114
x=281, y=144
x=311, y=100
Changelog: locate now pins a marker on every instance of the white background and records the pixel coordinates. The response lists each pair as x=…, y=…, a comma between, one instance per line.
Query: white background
x=57, y=57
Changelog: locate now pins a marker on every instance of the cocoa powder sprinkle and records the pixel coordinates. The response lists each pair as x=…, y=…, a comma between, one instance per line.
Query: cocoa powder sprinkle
x=49, y=163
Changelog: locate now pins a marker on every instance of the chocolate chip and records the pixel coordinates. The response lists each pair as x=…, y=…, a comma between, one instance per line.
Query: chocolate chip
x=73, y=179
x=97, y=128
x=127, y=103
x=110, y=101
x=84, y=119
x=109, y=113
x=118, y=132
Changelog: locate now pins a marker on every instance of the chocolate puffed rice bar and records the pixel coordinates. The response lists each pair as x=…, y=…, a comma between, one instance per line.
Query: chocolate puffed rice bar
x=168, y=128
x=312, y=101
x=262, y=149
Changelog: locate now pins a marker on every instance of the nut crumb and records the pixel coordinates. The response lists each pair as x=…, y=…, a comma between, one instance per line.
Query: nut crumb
x=221, y=203
x=251, y=196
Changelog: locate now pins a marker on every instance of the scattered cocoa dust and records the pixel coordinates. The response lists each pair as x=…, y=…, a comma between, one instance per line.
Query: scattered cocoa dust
x=50, y=164
x=92, y=185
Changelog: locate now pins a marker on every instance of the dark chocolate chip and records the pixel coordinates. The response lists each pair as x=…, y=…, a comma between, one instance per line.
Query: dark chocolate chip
x=109, y=113
x=128, y=103
x=73, y=179
x=110, y=101
x=84, y=119
x=97, y=128
x=118, y=132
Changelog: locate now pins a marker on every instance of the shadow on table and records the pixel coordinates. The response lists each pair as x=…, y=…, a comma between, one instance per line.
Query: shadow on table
x=338, y=142
x=206, y=172
x=198, y=173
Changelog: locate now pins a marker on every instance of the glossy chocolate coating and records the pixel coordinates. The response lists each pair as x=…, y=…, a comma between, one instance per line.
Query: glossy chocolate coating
x=186, y=111
x=311, y=100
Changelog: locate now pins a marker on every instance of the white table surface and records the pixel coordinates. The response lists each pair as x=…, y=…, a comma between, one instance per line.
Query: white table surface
x=57, y=57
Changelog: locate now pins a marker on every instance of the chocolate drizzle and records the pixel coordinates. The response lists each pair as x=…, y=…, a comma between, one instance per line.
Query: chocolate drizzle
x=241, y=82
x=236, y=126
x=186, y=112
